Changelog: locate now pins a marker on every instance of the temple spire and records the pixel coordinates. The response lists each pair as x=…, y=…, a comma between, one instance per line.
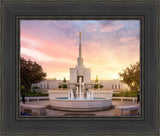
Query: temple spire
x=80, y=52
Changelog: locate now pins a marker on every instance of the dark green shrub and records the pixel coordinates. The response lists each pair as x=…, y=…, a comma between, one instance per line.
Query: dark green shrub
x=101, y=86
x=60, y=86
x=64, y=86
x=95, y=86
x=126, y=94
x=34, y=94
x=35, y=87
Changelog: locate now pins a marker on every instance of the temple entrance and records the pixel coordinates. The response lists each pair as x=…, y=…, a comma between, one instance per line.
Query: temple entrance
x=78, y=78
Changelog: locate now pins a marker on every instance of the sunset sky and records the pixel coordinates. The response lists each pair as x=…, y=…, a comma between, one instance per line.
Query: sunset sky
x=108, y=46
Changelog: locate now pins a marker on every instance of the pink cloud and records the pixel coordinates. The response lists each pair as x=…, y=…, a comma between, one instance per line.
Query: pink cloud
x=60, y=50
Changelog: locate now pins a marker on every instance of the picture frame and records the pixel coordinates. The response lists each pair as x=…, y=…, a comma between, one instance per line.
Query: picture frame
x=147, y=11
x=19, y=19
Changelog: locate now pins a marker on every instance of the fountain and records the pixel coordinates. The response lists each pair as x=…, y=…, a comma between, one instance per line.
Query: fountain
x=79, y=102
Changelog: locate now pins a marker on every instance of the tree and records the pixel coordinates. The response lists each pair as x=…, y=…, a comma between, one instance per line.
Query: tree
x=64, y=80
x=131, y=76
x=31, y=72
x=96, y=81
x=64, y=85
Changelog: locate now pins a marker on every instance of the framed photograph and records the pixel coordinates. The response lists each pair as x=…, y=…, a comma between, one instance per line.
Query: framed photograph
x=95, y=91
x=68, y=66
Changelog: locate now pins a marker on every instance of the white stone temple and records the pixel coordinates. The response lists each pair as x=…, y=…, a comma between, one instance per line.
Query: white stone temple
x=80, y=70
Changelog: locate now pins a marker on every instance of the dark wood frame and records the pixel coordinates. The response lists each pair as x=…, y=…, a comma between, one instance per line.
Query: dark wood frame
x=147, y=11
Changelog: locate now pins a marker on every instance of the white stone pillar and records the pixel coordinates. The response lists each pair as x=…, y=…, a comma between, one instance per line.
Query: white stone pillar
x=77, y=92
x=80, y=87
x=117, y=84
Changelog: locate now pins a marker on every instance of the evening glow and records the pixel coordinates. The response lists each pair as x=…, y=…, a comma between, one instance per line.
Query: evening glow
x=108, y=46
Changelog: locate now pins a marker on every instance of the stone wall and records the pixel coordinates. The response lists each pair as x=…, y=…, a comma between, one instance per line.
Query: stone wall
x=53, y=94
x=101, y=93
x=115, y=85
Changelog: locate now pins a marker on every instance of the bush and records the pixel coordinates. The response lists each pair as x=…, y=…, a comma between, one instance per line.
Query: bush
x=34, y=94
x=22, y=88
x=101, y=86
x=59, y=86
x=64, y=86
x=95, y=86
x=127, y=94
x=35, y=87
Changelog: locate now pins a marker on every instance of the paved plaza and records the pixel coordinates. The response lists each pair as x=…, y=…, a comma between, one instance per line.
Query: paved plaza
x=110, y=112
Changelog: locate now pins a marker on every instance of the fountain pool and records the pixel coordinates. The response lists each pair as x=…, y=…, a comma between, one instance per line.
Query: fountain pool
x=66, y=98
x=80, y=105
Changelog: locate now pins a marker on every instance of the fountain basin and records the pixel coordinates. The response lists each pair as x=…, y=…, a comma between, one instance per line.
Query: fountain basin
x=81, y=105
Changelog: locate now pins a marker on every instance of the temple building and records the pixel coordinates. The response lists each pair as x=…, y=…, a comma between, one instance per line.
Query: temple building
x=80, y=70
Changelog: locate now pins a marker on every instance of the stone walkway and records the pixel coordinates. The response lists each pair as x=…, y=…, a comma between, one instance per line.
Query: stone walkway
x=54, y=113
